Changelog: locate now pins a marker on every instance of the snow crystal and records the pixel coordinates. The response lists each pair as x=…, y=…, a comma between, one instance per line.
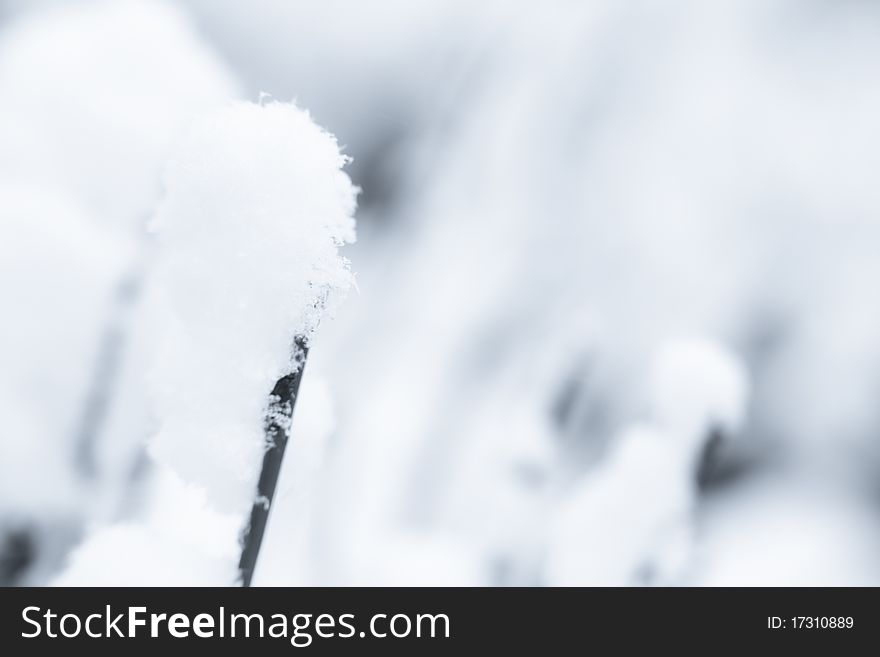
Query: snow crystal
x=256, y=206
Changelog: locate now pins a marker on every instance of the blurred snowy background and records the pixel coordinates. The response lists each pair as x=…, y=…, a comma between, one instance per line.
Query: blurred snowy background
x=617, y=318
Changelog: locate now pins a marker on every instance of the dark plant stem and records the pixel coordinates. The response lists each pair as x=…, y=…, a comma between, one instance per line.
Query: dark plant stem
x=277, y=428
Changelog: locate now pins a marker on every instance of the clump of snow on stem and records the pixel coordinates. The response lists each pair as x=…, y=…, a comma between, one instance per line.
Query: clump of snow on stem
x=256, y=206
x=697, y=386
x=630, y=521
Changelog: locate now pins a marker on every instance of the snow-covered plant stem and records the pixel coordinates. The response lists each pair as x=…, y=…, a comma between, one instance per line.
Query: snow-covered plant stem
x=246, y=263
x=278, y=429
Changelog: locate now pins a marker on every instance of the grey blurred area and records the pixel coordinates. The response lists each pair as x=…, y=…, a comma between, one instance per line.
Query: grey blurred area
x=617, y=318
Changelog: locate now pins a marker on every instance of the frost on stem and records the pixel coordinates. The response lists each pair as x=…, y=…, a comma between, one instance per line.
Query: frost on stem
x=277, y=428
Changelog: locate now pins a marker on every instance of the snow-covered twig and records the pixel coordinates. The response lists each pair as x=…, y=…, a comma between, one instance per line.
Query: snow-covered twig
x=256, y=206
